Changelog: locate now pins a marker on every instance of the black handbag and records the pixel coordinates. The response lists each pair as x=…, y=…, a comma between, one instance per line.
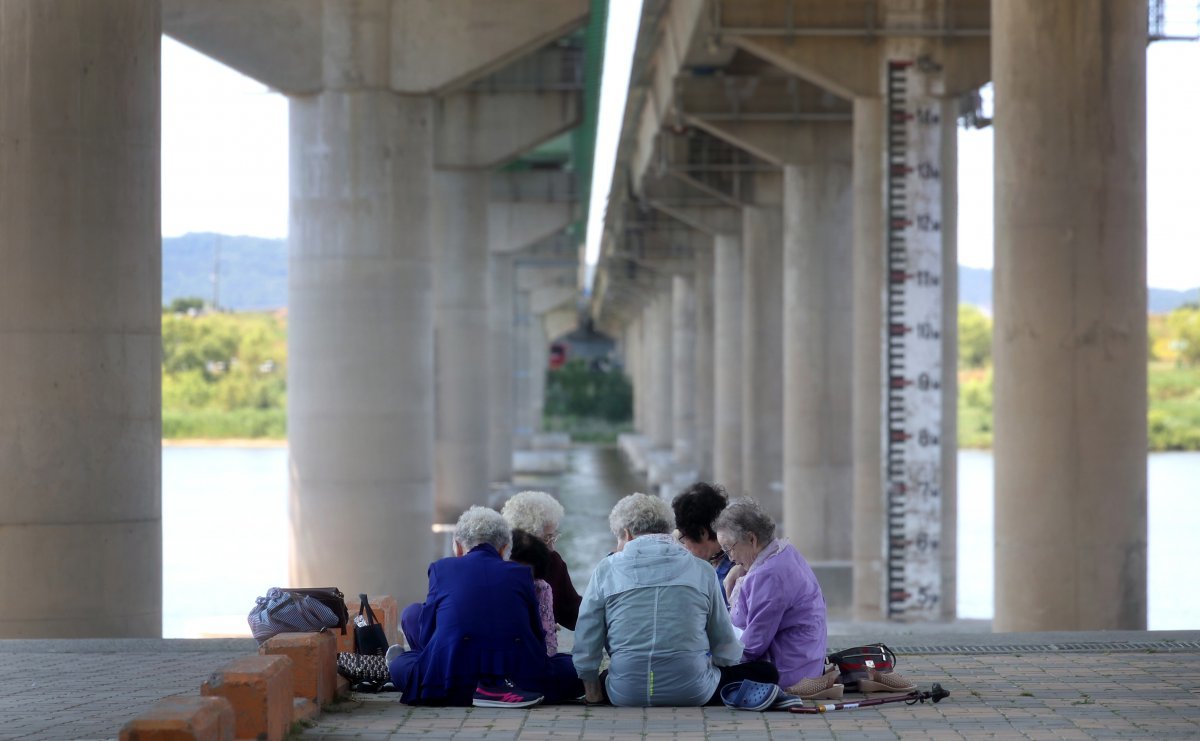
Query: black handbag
x=365, y=673
x=369, y=639
x=854, y=663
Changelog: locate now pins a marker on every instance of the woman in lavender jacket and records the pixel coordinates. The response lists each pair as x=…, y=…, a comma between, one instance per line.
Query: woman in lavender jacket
x=774, y=598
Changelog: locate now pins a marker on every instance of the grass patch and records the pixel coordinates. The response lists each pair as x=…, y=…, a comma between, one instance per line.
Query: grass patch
x=1172, y=418
x=217, y=424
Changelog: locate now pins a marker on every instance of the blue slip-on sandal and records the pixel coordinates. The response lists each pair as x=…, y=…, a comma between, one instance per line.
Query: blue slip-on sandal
x=749, y=695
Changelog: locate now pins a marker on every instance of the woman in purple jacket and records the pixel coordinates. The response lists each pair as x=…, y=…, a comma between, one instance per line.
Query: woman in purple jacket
x=774, y=598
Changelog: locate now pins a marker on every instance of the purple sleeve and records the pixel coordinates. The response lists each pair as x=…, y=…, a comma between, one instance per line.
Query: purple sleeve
x=764, y=602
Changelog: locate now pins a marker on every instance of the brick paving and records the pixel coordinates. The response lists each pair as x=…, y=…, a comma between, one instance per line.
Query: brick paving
x=1038, y=695
x=1022, y=690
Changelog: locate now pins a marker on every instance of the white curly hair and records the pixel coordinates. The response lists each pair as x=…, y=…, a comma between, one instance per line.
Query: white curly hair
x=640, y=514
x=532, y=511
x=479, y=525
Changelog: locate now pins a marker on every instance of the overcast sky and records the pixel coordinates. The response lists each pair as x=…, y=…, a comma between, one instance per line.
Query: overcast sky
x=225, y=160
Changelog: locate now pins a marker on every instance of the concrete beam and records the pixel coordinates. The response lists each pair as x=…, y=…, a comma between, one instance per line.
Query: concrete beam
x=541, y=186
x=839, y=48
x=478, y=129
x=514, y=226
x=530, y=278
x=417, y=46
x=277, y=42
x=692, y=207
x=777, y=143
x=444, y=44
x=678, y=27
x=560, y=321
x=548, y=298
x=528, y=207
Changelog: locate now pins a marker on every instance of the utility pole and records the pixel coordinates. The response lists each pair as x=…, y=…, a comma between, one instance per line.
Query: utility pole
x=216, y=274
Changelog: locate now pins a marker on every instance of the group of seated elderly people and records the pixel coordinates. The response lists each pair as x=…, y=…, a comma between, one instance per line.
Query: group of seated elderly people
x=681, y=615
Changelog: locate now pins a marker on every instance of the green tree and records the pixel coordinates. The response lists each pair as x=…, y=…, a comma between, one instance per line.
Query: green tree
x=577, y=390
x=185, y=304
x=1183, y=328
x=974, y=337
x=224, y=375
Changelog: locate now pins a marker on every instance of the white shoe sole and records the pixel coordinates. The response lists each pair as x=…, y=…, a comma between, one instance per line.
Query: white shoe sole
x=498, y=704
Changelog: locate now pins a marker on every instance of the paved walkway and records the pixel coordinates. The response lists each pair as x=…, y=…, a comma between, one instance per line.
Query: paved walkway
x=1034, y=686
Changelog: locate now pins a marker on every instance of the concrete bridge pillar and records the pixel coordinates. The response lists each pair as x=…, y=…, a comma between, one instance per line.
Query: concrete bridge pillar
x=633, y=363
x=539, y=362
x=1070, y=339
x=818, y=327
x=660, y=429
x=703, y=394
x=727, y=363
x=683, y=376
x=80, y=308
x=524, y=423
x=360, y=372
x=762, y=348
x=461, y=331
x=502, y=368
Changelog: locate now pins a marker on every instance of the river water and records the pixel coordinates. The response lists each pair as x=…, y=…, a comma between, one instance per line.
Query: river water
x=225, y=531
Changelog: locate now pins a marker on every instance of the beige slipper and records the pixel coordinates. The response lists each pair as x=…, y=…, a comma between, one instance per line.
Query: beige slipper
x=816, y=688
x=885, y=682
x=829, y=693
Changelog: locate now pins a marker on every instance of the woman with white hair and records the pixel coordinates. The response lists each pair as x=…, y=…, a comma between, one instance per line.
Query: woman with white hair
x=539, y=513
x=778, y=603
x=660, y=613
x=477, y=639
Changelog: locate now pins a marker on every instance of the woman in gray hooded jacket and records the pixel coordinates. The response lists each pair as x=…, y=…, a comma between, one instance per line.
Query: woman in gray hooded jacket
x=659, y=612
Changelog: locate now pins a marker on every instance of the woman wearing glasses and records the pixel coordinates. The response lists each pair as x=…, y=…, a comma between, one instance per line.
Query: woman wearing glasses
x=774, y=598
x=539, y=513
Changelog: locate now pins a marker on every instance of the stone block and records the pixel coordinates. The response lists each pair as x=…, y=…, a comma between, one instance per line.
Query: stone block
x=183, y=718
x=304, y=709
x=387, y=612
x=314, y=662
x=260, y=690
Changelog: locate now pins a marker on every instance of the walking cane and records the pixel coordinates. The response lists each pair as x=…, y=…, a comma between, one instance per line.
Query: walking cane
x=912, y=698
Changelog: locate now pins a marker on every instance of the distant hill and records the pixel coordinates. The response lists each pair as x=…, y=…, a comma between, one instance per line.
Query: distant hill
x=253, y=271
x=254, y=275
x=975, y=288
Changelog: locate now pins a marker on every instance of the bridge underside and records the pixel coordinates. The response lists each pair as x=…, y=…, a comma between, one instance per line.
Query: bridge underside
x=778, y=266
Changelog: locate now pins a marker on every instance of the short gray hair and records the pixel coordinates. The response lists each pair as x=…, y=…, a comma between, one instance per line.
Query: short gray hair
x=742, y=517
x=640, y=514
x=479, y=525
x=531, y=511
